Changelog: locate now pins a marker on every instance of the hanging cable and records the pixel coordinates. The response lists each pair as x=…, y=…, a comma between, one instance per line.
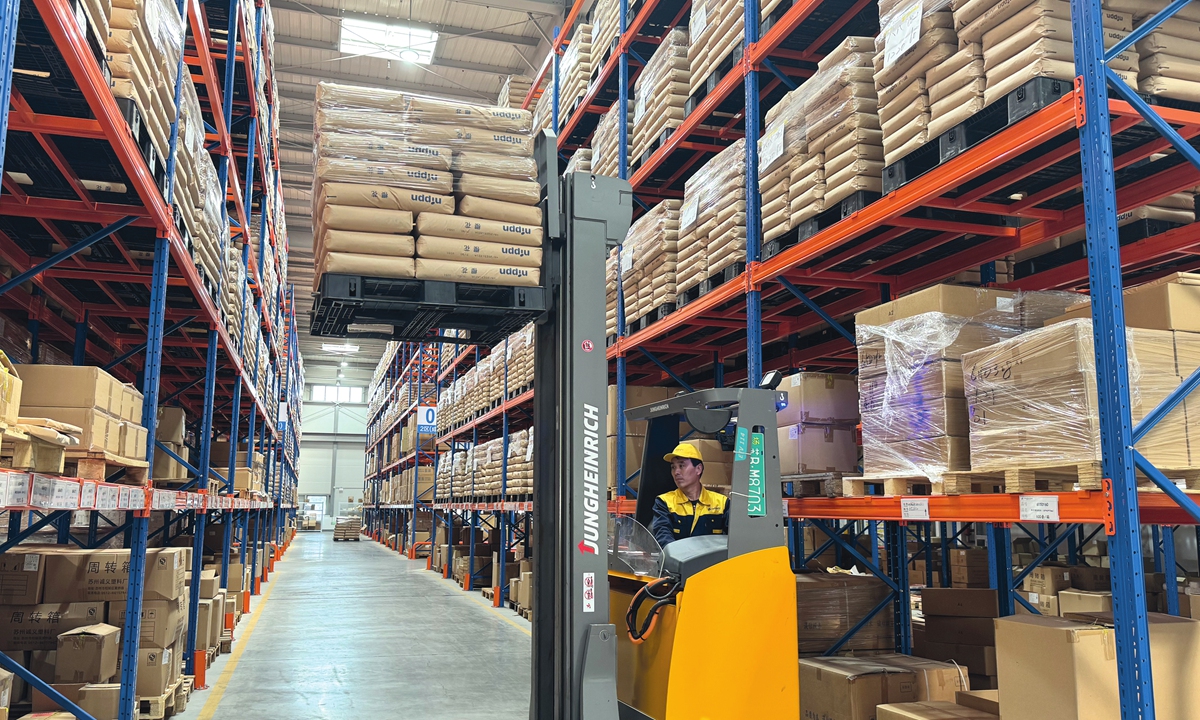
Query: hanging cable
x=663, y=592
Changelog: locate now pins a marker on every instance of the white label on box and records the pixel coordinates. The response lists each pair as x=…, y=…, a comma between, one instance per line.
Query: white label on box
x=772, y=147
x=687, y=215
x=902, y=32
x=589, y=592
x=626, y=257
x=796, y=380
x=639, y=105
x=1004, y=304
x=914, y=508
x=108, y=497
x=1039, y=508
x=32, y=562
x=1033, y=598
x=794, y=432
x=699, y=23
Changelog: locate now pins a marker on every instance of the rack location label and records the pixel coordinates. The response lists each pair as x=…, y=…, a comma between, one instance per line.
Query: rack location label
x=1039, y=508
x=914, y=508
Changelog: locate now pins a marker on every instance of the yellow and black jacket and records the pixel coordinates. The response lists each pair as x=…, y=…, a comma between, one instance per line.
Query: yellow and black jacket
x=676, y=517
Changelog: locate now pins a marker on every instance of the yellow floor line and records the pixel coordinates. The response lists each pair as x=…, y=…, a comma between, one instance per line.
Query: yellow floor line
x=218, y=690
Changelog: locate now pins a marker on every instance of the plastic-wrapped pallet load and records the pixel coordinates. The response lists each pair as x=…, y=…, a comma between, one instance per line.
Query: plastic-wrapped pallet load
x=902, y=59
x=654, y=239
x=1033, y=398
x=956, y=88
x=574, y=71
x=605, y=143
x=661, y=92
x=520, y=463
x=606, y=23
x=722, y=208
x=610, y=295
x=461, y=176
x=715, y=31
x=782, y=149
x=581, y=161
x=1169, y=59
x=911, y=396
x=843, y=122
x=144, y=40
x=1023, y=40
x=543, y=109
x=514, y=91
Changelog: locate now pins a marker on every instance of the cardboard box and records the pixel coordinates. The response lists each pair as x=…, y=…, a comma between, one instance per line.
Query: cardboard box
x=844, y=688
x=6, y=687
x=205, y=617
x=161, y=620
x=165, y=568
x=217, y=624
x=819, y=398
x=978, y=659
x=953, y=299
x=634, y=448
x=86, y=575
x=808, y=448
x=69, y=386
x=969, y=558
x=101, y=700
x=101, y=431
x=525, y=599
x=168, y=468
x=171, y=426
x=133, y=440
x=936, y=681
x=237, y=578
x=935, y=710
x=960, y=602
x=985, y=700
x=635, y=396
x=21, y=577
x=1170, y=303
x=43, y=704
x=154, y=671
x=209, y=584
x=1083, y=601
x=87, y=654
x=829, y=605
x=969, y=577
x=1062, y=669
x=37, y=627
x=960, y=630
x=1048, y=580
x=1084, y=577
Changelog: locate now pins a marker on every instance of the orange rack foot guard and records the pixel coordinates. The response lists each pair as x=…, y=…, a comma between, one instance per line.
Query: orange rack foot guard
x=245, y=602
x=229, y=622
x=200, y=668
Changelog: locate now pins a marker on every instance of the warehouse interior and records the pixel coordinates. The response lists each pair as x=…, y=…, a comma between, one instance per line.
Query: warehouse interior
x=305, y=383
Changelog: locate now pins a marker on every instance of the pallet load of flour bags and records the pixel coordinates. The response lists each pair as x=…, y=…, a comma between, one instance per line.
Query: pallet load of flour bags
x=407, y=186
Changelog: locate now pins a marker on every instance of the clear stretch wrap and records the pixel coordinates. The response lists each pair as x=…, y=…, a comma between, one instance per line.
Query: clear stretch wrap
x=841, y=105
x=606, y=143
x=419, y=109
x=514, y=91
x=782, y=148
x=955, y=88
x=648, y=260
x=606, y=23
x=713, y=217
x=911, y=397
x=610, y=294
x=661, y=92
x=574, y=71
x=519, y=479
x=901, y=62
x=829, y=605
x=581, y=161
x=1033, y=398
x=543, y=109
x=716, y=29
x=1023, y=40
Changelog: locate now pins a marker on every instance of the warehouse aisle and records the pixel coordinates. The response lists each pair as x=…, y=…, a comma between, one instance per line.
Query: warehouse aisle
x=351, y=630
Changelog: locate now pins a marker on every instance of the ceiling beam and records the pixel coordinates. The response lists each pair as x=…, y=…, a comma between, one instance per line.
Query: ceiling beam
x=441, y=29
x=362, y=81
x=537, y=7
x=440, y=62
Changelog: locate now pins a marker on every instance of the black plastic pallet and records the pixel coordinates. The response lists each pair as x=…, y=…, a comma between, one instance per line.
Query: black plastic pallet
x=722, y=276
x=714, y=79
x=1127, y=233
x=1017, y=105
x=415, y=308
x=653, y=147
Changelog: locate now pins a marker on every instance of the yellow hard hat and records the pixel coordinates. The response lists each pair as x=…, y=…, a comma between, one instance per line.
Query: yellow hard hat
x=683, y=450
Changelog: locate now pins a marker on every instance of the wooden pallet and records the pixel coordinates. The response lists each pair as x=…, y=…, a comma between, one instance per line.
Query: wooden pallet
x=525, y=613
x=157, y=708
x=212, y=654
x=488, y=593
x=827, y=484
x=184, y=692
x=226, y=642
x=103, y=465
x=1061, y=477
x=886, y=485
x=21, y=451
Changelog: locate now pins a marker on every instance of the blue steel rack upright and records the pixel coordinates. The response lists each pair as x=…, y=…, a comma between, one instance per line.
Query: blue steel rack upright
x=184, y=510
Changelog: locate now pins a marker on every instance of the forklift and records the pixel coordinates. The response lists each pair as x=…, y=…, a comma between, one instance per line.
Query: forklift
x=704, y=630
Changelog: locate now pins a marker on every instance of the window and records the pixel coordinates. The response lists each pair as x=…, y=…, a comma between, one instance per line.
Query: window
x=387, y=41
x=337, y=394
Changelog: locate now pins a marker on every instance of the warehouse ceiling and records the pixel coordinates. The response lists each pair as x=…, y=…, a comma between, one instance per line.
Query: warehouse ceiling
x=478, y=44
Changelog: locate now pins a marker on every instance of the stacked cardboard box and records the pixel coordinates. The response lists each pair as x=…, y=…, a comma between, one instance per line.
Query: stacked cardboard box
x=914, y=411
x=842, y=103
x=606, y=143
x=466, y=172
x=901, y=64
x=881, y=686
x=635, y=430
x=828, y=605
x=1022, y=41
x=574, y=72
x=108, y=412
x=514, y=91
x=712, y=218
x=817, y=428
x=969, y=568
x=1064, y=668
x=959, y=628
x=520, y=589
x=661, y=92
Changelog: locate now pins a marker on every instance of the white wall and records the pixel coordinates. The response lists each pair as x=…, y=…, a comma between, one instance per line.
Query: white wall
x=332, y=454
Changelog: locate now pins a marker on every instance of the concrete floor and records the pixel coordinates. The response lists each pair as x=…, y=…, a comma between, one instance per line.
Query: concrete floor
x=351, y=630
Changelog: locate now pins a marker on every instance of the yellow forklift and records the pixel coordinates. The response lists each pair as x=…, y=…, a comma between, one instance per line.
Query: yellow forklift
x=704, y=629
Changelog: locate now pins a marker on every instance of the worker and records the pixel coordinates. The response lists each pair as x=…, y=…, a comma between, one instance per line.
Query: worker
x=690, y=510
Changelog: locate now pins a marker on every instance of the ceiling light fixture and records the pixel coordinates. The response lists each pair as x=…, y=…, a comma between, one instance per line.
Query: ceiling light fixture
x=339, y=349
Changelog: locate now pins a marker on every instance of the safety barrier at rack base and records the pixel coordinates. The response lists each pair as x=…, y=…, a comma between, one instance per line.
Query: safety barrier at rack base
x=38, y=491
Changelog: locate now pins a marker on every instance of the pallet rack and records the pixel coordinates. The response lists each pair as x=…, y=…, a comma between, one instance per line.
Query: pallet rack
x=1079, y=156
x=140, y=305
